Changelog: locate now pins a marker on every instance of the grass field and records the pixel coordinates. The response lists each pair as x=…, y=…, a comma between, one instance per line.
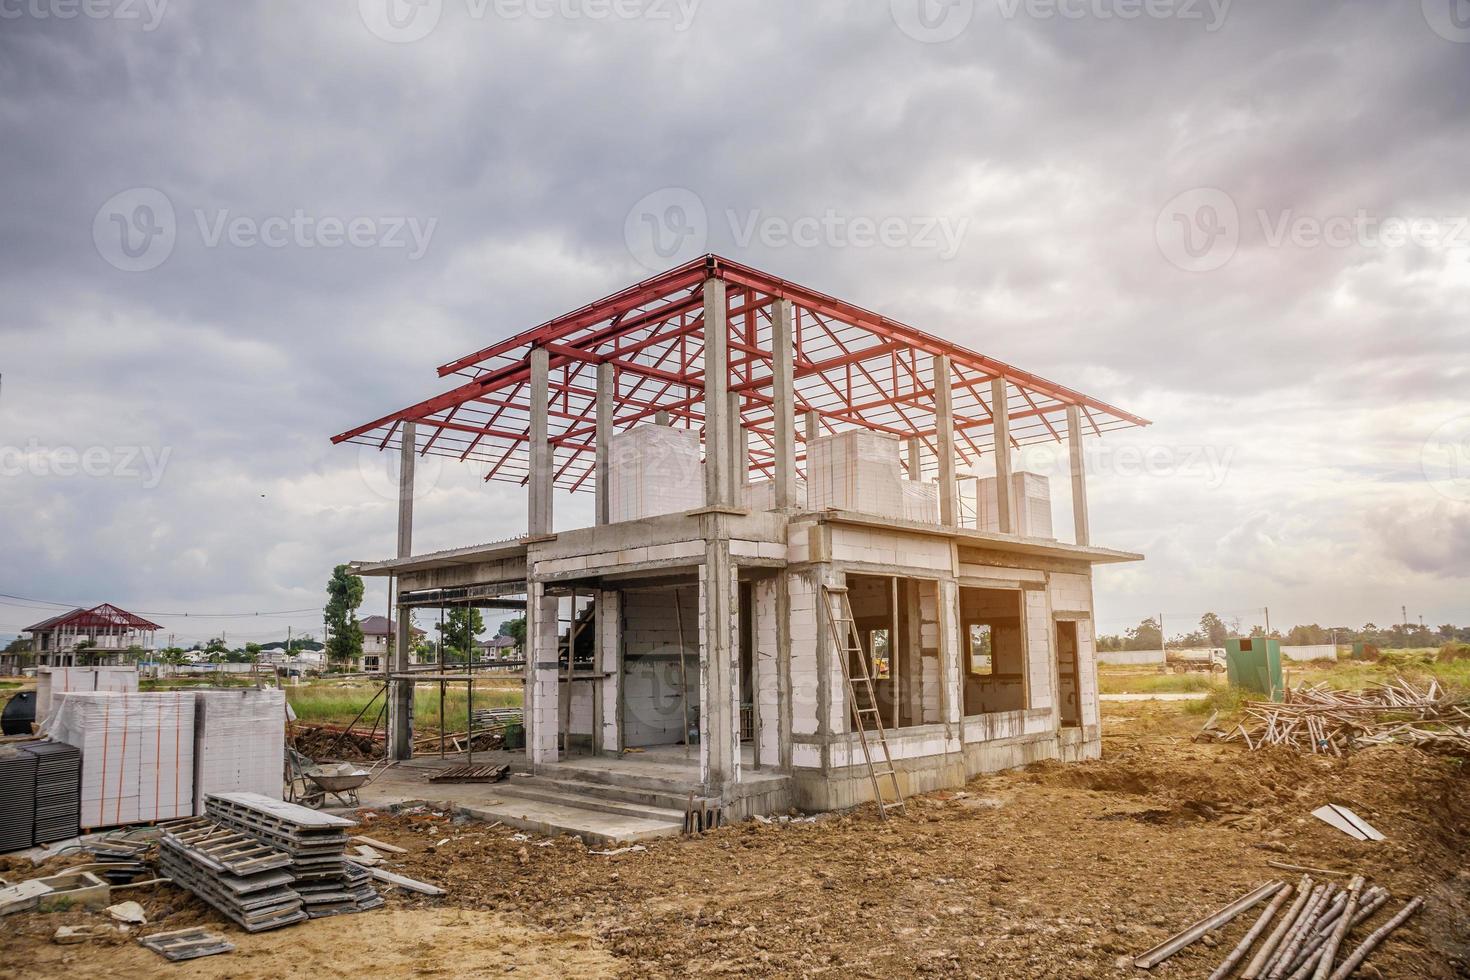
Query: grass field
x=337, y=702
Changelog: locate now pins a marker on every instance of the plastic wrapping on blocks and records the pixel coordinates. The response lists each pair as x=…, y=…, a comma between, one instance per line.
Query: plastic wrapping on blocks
x=652, y=470
x=54, y=681
x=857, y=471
x=137, y=753
x=761, y=495
x=920, y=502
x=239, y=741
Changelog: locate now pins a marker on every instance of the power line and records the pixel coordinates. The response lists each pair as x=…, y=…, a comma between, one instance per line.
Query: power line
x=187, y=615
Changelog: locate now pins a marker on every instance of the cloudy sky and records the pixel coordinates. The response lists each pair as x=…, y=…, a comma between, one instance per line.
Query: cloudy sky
x=233, y=230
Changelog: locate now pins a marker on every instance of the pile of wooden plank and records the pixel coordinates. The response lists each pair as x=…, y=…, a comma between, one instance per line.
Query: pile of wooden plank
x=1309, y=941
x=1315, y=718
x=315, y=842
x=246, y=880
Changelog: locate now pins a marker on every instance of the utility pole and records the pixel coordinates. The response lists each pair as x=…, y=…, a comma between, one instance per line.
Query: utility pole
x=1404, y=612
x=1268, y=620
x=1162, y=650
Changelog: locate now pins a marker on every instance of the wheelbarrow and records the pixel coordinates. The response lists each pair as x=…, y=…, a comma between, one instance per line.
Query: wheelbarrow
x=312, y=782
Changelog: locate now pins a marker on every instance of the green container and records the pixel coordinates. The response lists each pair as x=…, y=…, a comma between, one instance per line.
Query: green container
x=1254, y=663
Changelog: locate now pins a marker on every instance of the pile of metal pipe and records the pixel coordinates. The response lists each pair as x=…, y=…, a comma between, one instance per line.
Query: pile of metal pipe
x=1305, y=943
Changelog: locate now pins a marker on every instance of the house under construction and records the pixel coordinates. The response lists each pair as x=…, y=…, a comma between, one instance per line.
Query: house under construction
x=789, y=562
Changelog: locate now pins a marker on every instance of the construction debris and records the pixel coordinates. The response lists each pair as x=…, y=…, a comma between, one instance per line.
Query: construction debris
x=407, y=884
x=244, y=879
x=470, y=774
x=1346, y=821
x=187, y=944
x=316, y=843
x=130, y=913
x=1305, y=943
x=1319, y=719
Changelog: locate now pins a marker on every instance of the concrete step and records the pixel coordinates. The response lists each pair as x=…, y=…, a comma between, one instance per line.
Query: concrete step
x=557, y=791
x=595, y=827
x=672, y=801
x=611, y=775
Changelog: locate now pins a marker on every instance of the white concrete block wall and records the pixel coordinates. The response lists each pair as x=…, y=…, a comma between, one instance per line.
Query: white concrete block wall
x=653, y=709
x=1087, y=671
x=1040, y=667
x=541, y=696
x=838, y=717
x=654, y=469
x=949, y=659
x=931, y=675
x=806, y=626
x=609, y=639
x=767, y=670
x=876, y=547
x=1320, y=651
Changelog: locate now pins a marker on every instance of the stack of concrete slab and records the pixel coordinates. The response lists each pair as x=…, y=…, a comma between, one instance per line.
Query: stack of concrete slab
x=761, y=495
x=58, y=790
x=920, y=501
x=1030, y=505
x=239, y=746
x=857, y=471
x=327, y=882
x=652, y=470
x=51, y=682
x=137, y=754
x=17, y=798
x=246, y=880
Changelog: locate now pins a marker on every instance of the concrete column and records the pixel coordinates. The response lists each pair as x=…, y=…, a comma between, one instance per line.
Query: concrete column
x=609, y=722
x=717, y=434
x=661, y=418
x=542, y=712
x=739, y=452
x=914, y=463
x=949, y=510
x=783, y=394
x=719, y=661
x=400, y=705
x=812, y=424
x=539, y=486
x=1079, y=475
x=606, y=397
x=1001, y=412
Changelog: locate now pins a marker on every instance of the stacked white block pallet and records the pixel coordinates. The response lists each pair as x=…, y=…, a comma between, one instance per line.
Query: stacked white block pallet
x=137, y=754
x=1030, y=505
x=52, y=682
x=856, y=471
x=652, y=470
x=920, y=502
x=240, y=737
x=761, y=495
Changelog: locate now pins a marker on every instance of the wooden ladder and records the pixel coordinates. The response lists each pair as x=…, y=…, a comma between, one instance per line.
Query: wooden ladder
x=847, y=647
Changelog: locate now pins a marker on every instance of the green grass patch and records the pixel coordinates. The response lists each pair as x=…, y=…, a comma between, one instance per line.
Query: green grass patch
x=7, y=685
x=1117, y=682
x=1226, y=700
x=337, y=703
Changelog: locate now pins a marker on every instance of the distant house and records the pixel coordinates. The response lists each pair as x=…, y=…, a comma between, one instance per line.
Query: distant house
x=497, y=648
x=89, y=637
x=377, y=634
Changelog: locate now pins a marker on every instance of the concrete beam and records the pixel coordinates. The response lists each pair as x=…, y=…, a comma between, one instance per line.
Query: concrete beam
x=1079, y=476
x=718, y=486
x=400, y=705
x=949, y=510
x=539, y=519
x=783, y=392
x=1000, y=411
x=606, y=396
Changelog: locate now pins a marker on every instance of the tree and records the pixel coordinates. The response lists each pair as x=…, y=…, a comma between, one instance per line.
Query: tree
x=1145, y=636
x=344, y=633
x=252, y=651
x=172, y=656
x=215, y=649
x=1214, y=629
x=458, y=631
x=515, y=629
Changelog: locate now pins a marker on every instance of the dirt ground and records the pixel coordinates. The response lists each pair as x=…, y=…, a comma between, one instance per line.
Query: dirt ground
x=1052, y=871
